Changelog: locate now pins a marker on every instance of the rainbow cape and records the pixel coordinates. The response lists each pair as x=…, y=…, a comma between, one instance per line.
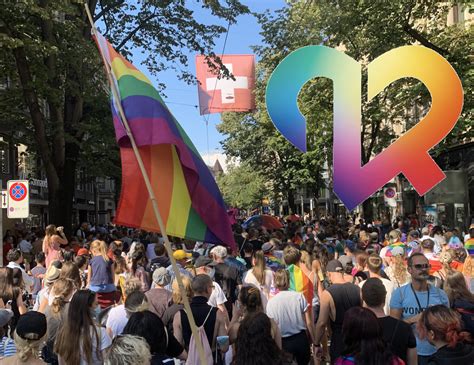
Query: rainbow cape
x=188, y=198
x=469, y=246
x=300, y=283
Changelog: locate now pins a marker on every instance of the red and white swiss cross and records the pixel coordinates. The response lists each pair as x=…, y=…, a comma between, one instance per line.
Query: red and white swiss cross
x=218, y=94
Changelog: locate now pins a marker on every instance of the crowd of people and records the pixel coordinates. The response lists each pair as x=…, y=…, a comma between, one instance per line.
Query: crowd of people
x=313, y=292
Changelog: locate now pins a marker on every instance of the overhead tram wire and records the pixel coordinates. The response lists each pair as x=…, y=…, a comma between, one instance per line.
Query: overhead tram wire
x=206, y=120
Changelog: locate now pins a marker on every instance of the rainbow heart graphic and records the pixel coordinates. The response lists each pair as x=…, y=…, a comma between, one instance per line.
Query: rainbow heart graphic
x=409, y=154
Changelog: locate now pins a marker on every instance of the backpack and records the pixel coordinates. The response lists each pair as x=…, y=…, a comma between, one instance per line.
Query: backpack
x=193, y=352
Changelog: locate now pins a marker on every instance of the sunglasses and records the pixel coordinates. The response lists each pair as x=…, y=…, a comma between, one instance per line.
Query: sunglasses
x=421, y=266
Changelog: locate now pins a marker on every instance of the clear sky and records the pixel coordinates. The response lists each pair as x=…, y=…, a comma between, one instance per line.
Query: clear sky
x=242, y=35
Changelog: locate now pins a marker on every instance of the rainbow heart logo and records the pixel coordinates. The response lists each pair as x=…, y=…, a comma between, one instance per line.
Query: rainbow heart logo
x=409, y=154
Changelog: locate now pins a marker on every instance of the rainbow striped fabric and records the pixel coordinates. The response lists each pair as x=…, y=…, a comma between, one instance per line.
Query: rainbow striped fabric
x=188, y=198
x=300, y=283
x=469, y=246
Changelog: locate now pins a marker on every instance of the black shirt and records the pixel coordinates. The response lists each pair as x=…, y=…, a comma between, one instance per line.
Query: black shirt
x=399, y=335
x=248, y=262
x=345, y=296
x=201, y=310
x=256, y=244
x=461, y=354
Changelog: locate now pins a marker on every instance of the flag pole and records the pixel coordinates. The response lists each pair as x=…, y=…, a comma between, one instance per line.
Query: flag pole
x=151, y=194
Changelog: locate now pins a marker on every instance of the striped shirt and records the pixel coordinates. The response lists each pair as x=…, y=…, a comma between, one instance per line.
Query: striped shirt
x=7, y=347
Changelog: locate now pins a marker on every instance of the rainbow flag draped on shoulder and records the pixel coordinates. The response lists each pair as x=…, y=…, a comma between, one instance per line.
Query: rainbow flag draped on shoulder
x=188, y=198
x=300, y=283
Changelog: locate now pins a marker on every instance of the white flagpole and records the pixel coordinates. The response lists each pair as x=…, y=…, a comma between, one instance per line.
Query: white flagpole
x=156, y=210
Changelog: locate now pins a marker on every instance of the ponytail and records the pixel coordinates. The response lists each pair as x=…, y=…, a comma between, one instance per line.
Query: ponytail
x=27, y=349
x=454, y=335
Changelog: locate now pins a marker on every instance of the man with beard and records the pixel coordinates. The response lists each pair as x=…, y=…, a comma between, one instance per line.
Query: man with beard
x=410, y=300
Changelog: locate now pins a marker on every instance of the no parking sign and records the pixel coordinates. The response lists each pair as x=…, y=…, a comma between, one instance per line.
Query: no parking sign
x=18, y=199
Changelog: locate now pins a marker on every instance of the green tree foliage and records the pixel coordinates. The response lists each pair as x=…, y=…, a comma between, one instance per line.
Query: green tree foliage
x=242, y=187
x=57, y=88
x=364, y=30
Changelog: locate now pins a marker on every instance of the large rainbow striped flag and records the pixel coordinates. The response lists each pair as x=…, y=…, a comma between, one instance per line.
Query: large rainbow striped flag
x=188, y=198
x=300, y=282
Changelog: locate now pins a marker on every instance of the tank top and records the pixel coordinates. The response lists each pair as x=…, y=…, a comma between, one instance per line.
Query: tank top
x=101, y=271
x=200, y=310
x=345, y=296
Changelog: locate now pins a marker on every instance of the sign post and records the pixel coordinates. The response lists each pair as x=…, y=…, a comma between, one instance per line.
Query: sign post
x=18, y=199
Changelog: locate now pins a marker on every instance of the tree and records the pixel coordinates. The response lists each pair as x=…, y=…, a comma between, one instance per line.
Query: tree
x=242, y=187
x=51, y=62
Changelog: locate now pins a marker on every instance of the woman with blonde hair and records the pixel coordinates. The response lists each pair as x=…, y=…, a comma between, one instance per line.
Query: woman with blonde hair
x=260, y=277
x=121, y=275
x=29, y=336
x=468, y=267
x=52, y=242
x=397, y=271
x=100, y=274
x=128, y=350
x=177, y=301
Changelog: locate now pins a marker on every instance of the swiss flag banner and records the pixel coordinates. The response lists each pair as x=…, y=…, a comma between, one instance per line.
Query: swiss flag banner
x=218, y=94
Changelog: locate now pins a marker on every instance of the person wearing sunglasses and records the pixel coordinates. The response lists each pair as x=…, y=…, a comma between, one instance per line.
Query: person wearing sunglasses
x=410, y=300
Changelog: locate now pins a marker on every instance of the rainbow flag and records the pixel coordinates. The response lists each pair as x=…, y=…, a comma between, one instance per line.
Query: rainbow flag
x=188, y=198
x=469, y=246
x=273, y=263
x=300, y=283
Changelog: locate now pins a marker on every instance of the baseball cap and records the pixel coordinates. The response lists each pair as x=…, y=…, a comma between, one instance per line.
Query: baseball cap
x=161, y=276
x=219, y=251
x=414, y=234
x=181, y=255
x=5, y=316
x=334, y=266
x=202, y=261
x=345, y=260
x=82, y=252
x=351, y=245
x=374, y=236
x=267, y=247
x=31, y=325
